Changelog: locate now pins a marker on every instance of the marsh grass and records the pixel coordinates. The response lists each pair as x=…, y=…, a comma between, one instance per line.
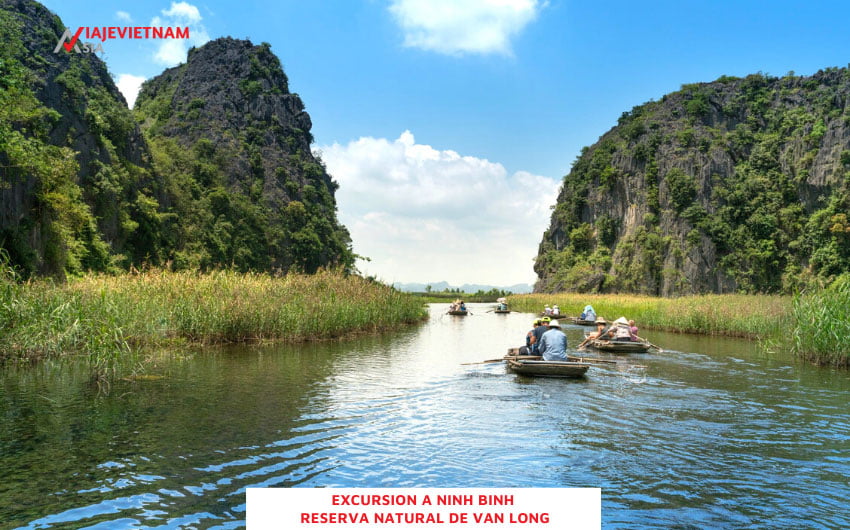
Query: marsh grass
x=752, y=316
x=817, y=325
x=822, y=324
x=109, y=318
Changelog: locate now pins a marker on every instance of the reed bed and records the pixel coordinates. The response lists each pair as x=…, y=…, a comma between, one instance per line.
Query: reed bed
x=822, y=325
x=752, y=316
x=110, y=317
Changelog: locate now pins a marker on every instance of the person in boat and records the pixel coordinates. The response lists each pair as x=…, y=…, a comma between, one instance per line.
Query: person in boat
x=621, y=332
x=526, y=350
x=538, y=333
x=547, y=311
x=553, y=343
x=633, y=331
x=556, y=310
x=601, y=324
x=588, y=313
x=462, y=306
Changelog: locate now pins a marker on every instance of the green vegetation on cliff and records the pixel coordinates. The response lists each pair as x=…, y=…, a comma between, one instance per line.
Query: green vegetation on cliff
x=73, y=188
x=222, y=178
x=739, y=185
x=235, y=144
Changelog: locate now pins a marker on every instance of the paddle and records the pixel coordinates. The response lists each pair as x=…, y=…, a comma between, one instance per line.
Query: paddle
x=590, y=337
x=586, y=360
x=603, y=361
x=651, y=345
x=484, y=362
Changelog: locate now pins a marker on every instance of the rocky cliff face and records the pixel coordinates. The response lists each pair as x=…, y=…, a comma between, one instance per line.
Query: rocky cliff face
x=734, y=185
x=219, y=174
x=74, y=162
x=227, y=121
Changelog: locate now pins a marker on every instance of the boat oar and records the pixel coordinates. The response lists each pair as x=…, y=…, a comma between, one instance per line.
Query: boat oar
x=651, y=345
x=603, y=361
x=590, y=337
x=484, y=362
x=586, y=360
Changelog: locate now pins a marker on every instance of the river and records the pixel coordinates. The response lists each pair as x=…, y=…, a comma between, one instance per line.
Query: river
x=710, y=433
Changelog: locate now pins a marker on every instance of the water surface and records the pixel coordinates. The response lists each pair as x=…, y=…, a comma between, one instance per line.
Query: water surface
x=711, y=433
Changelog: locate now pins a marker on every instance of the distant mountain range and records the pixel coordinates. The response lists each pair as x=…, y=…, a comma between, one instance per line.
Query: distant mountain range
x=437, y=287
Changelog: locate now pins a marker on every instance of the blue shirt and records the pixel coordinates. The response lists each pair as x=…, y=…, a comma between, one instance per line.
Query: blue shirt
x=538, y=332
x=553, y=345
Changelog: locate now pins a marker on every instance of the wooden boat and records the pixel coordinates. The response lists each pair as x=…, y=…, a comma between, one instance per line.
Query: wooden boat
x=501, y=311
x=553, y=317
x=543, y=368
x=620, y=346
x=580, y=322
x=459, y=313
x=513, y=353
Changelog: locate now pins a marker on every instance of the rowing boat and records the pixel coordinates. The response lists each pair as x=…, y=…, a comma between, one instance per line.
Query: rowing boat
x=553, y=317
x=501, y=311
x=513, y=353
x=581, y=322
x=542, y=368
x=459, y=313
x=620, y=346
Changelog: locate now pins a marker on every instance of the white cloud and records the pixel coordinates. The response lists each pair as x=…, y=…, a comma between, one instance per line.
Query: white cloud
x=171, y=52
x=184, y=11
x=129, y=85
x=423, y=214
x=123, y=15
x=471, y=26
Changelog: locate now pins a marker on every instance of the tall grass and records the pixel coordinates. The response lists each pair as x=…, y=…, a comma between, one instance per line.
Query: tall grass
x=110, y=317
x=822, y=324
x=754, y=316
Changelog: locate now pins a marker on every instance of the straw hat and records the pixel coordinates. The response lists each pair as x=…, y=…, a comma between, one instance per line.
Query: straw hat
x=601, y=320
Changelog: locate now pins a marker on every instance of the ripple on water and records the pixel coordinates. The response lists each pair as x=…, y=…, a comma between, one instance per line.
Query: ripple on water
x=721, y=438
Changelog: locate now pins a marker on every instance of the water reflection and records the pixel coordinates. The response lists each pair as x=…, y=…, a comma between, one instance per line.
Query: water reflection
x=709, y=433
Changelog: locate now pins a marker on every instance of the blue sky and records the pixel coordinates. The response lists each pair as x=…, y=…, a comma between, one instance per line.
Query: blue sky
x=449, y=125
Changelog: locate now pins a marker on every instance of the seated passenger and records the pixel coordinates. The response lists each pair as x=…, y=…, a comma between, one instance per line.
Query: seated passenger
x=526, y=350
x=538, y=333
x=600, y=328
x=553, y=343
x=621, y=333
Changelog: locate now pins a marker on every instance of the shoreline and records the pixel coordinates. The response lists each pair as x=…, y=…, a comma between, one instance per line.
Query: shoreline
x=814, y=324
x=113, y=318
